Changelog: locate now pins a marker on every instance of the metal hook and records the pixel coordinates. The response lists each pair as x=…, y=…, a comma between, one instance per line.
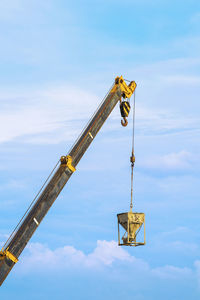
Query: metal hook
x=124, y=122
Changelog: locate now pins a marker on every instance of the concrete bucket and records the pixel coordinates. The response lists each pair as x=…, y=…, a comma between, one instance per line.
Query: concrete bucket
x=132, y=224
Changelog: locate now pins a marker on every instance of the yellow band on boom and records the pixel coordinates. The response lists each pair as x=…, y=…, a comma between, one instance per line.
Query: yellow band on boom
x=9, y=255
x=67, y=161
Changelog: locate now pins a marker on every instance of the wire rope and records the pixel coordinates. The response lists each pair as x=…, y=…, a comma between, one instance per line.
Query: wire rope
x=29, y=208
x=132, y=158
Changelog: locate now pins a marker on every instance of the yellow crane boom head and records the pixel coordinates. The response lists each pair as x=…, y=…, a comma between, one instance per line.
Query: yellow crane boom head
x=126, y=90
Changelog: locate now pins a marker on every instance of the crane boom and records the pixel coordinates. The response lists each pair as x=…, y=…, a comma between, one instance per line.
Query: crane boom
x=13, y=248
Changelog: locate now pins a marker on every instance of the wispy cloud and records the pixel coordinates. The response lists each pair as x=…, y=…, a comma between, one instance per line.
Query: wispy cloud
x=171, y=272
x=106, y=254
x=13, y=184
x=181, y=240
x=152, y=121
x=59, y=113
x=182, y=161
x=18, y=10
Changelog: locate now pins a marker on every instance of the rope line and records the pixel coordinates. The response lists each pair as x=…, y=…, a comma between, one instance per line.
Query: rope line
x=132, y=158
x=30, y=206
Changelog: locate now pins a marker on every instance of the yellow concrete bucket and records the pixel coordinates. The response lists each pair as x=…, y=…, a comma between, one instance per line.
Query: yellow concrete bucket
x=132, y=223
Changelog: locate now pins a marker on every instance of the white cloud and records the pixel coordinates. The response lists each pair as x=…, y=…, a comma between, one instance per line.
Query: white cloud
x=171, y=272
x=105, y=254
x=12, y=184
x=181, y=231
x=172, y=161
x=180, y=240
x=180, y=161
x=171, y=87
x=184, y=247
x=57, y=114
x=44, y=116
x=161, y=69
x=178, y=246
x=177, y=230
x=183, y=80
x=16, y=10
x=40, y=257
x=154, y=121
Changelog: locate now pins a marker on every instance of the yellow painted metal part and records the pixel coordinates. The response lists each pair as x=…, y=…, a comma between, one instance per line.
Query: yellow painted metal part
x=127, y=90
x=126, y=112
x=6, y=253
x=132, y=224
x=126, y=108
x=67, y=161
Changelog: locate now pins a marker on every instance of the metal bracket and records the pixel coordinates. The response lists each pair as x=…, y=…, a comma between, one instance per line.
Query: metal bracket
x=8, y=254
x=67, y=161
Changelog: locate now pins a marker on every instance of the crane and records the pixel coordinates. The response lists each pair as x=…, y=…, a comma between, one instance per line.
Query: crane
x=120, y=92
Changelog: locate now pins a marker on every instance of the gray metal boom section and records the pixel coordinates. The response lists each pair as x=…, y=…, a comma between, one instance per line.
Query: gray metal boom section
x=56, y=184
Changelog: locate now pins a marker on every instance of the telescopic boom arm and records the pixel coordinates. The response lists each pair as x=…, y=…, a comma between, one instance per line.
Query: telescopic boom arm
x=16, y=243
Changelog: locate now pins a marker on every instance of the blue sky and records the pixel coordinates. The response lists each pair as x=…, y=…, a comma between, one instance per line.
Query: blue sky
x=57, y=61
